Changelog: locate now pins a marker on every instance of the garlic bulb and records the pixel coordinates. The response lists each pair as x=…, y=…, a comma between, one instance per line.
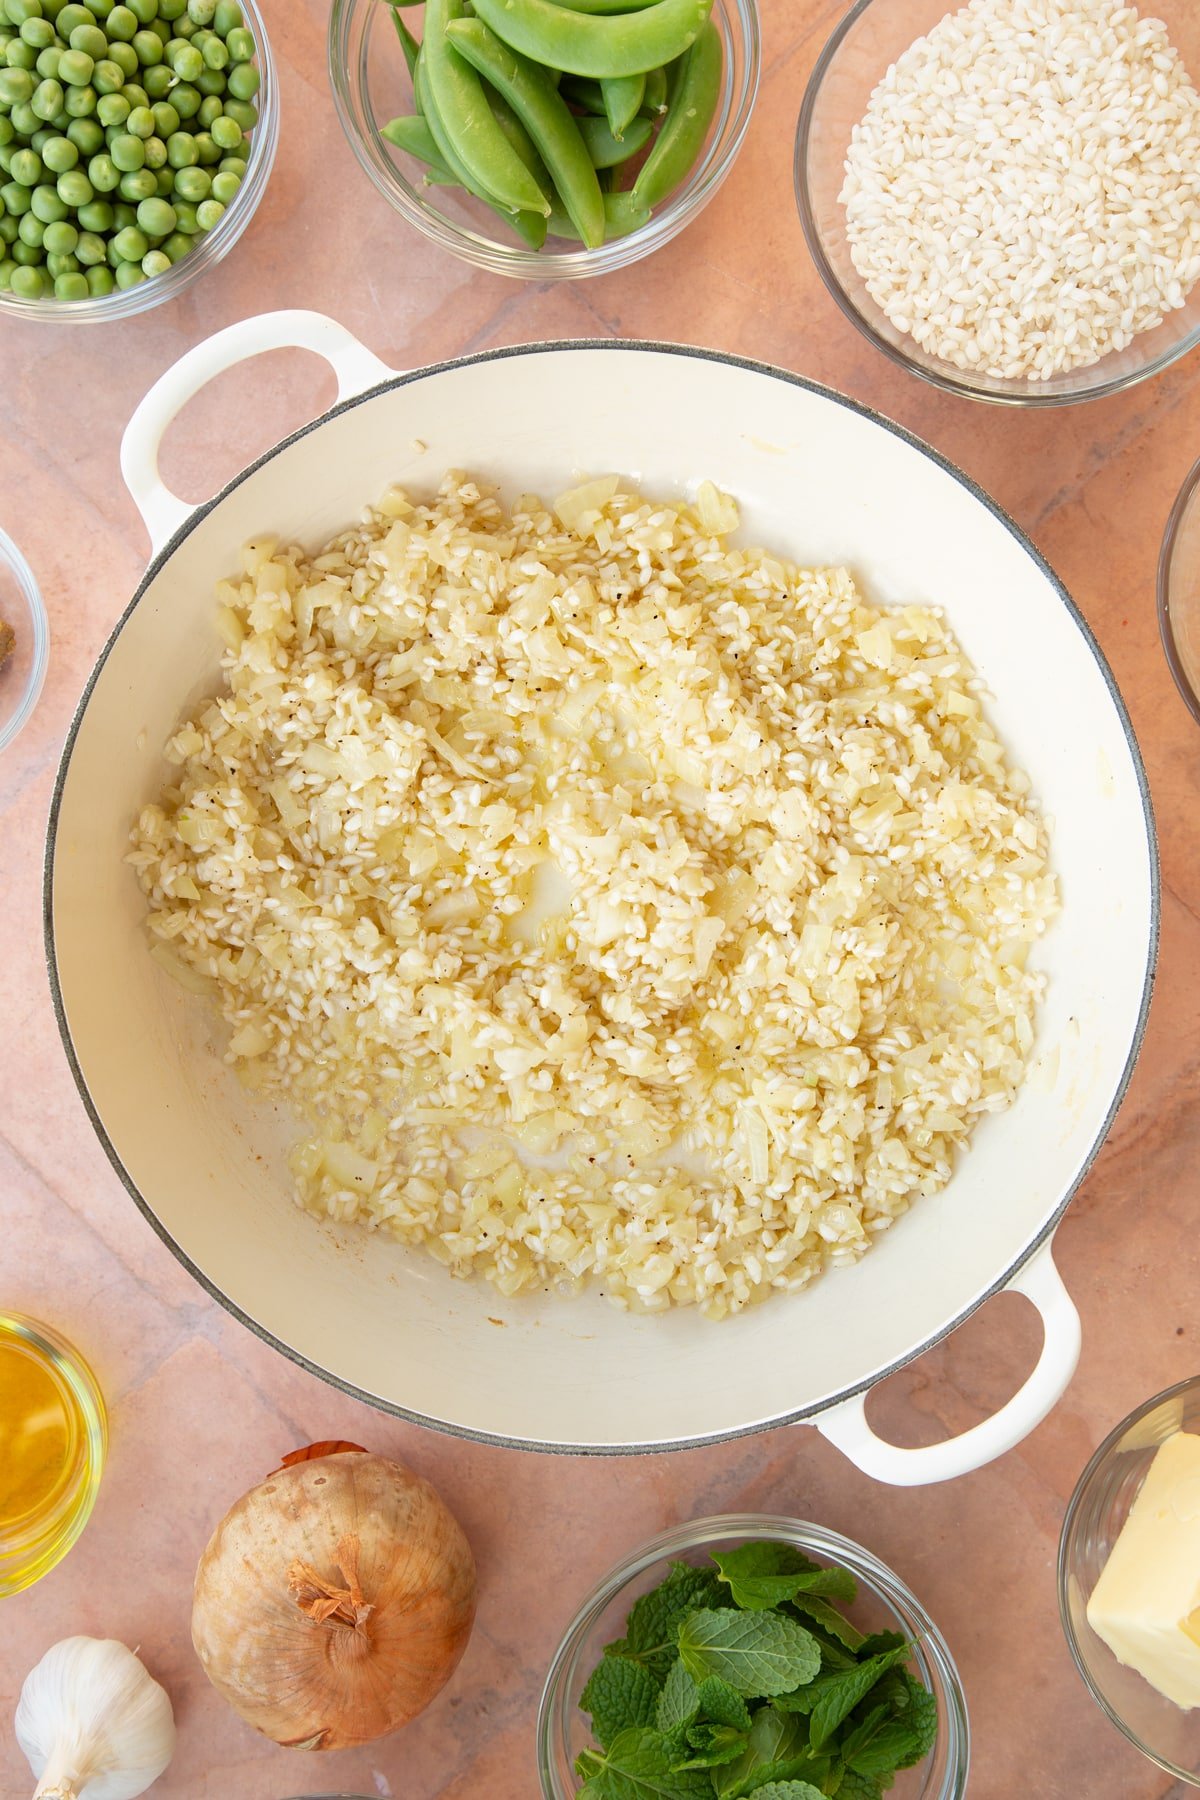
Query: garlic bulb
x=93, y=1723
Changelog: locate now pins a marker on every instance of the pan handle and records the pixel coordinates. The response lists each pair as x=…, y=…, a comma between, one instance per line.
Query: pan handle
x=354, y=365
x=846, y=1424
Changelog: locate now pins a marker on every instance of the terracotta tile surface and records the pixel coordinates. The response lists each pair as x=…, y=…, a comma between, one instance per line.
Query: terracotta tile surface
x=199, y=1406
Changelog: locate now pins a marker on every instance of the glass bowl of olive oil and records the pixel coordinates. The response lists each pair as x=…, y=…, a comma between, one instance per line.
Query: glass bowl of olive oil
x=53, y=1438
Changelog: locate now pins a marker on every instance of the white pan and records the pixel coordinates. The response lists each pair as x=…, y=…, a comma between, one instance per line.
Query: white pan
x=825, y=481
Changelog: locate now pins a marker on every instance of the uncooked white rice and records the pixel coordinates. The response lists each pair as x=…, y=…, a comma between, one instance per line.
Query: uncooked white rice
x=615, y=904
x=1023, y=193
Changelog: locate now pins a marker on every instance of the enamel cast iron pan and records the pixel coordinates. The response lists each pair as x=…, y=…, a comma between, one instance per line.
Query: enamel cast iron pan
x=822, y=479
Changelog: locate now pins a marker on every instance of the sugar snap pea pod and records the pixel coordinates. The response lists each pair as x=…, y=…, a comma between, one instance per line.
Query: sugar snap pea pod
x=605, y=150
x=408, y=42
x=622, y=214
x=588, y=95
x=544, y=114
x=605, y=6
x=518, y=137
x=412, y=133
x=623, y=96
x=695, y=88
x=588, y=44
x=655, y=100
x=458, y=98
x=529, y=225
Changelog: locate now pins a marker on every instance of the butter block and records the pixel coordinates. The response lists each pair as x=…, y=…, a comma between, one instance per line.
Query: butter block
x=1146, y=1604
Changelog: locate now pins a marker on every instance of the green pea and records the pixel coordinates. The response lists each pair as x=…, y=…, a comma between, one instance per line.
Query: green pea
x=103, y=174
x=75, y=189
x=211, y=81
x=185, y=217
x=186, y=61
x=28, y=255
x=29, y=283
x=156, y=153
x=186, y=100
x=216, y=56
x=233, y=165
x=27, y=168
x=181, y=150
x=206, y=150
x=81, y=102
x=17, y=199
x=164, y=183
x=177, y=246
x=121, y=25
x=99, y=9
x=68, y=17
x=46, y=204
x=137, y=185
x=162, y=31
x=86, y=135
x=140, y=123
x=201, y=12
x=129, y=275
x=17, y=11
x=227, y=17
x=47, y=99
x=210, y=109
x=89, y=249
x=156, y=218
x=125, y=57
x=16, y=85
x=225, y=186
x=127, y=151
x=9, y=229
x=159, y=80
x=75, y=67
x=60, y=154
x=7, y=152
x=130, y=244
x=30, y=229
x=145, y=10
x=71, y=287
x=172, y=10
x=166, y=119
x=8, y=269
x=227, y=133
x=20, y=55
x=123, y=215
x=100, y=282
x=47, y=62
x=7, y=133
x=59, y=265
x=149, y=48
x=112, y=109
x=39, y=34
x=155, y=262
x=96, y=216
x=208, y=214
x=244, y=112
x=25, y=121
x=108, y=77
x=240, y=45
x=135, y=94
x=90, y=40
x=193, y=184
x=60, y=237
x=244, y=81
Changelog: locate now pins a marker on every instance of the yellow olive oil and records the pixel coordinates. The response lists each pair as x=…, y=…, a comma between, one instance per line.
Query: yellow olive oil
x=52, y=1444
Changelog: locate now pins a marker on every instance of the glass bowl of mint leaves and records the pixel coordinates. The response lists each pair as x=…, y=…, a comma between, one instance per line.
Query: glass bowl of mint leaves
x=749, y=1655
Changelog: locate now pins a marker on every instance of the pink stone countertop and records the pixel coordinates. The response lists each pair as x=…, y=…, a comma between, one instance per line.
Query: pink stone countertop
x=200, y=1408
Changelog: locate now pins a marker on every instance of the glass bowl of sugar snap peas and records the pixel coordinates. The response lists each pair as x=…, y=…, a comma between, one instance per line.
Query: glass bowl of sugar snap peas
x=136, y=141
x=541, y=139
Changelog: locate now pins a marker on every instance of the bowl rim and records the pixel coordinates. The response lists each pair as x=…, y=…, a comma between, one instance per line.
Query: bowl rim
x=870, y=1569
x=213, y=247
x=516, y=260
x=1166, y=581
x=1095, y=1463
x=25, y=579
x=1031, y=394
x=615, y=346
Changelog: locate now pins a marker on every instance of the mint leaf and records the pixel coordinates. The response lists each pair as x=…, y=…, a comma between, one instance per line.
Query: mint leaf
x=756, y=1653
x=896, y=1735
x=829, y=1619
x=835, y=1696
x=759, y=1581
x=879, y=1641
x=788, y=1790
x=619, y=1693
x=636, y=1767
x=722, y=1703
x=774, y=1741
x=764, y=1558
x=679, y=1702
x=711, y=1745
x=854, y=1786
x=652, y=1624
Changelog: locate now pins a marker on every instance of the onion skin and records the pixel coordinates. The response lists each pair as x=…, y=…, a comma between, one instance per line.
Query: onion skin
x=331, y=1683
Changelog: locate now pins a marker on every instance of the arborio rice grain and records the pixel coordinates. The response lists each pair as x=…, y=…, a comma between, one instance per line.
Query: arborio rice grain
x=614, y=905
x=1023, y=194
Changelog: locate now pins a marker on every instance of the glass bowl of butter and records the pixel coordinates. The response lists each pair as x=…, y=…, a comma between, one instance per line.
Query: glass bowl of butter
x=1129, y=1579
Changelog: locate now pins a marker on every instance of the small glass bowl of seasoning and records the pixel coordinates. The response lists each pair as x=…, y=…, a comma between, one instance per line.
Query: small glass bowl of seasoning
x=24, y=641
x=1179, y=592
x=883, y=1603
x=372, y=87
x=152, y=168
x=53, y=1439
x=1134, y=1520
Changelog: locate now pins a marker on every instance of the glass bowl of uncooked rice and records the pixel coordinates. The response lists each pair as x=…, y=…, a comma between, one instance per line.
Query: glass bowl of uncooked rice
x=611, y=904
x=1006, y=198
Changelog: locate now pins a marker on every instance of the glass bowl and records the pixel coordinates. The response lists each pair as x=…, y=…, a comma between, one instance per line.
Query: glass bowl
x=867, y=41
x=212, y=247
x=1179, y=593
x=21, y=677
x=1099, y=1507
x=371, y=85
x=35, y=1540
x=883, y=1604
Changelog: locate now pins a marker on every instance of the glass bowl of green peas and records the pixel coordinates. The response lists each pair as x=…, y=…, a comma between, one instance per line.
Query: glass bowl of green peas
x=136, y=140
x=537, y=141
